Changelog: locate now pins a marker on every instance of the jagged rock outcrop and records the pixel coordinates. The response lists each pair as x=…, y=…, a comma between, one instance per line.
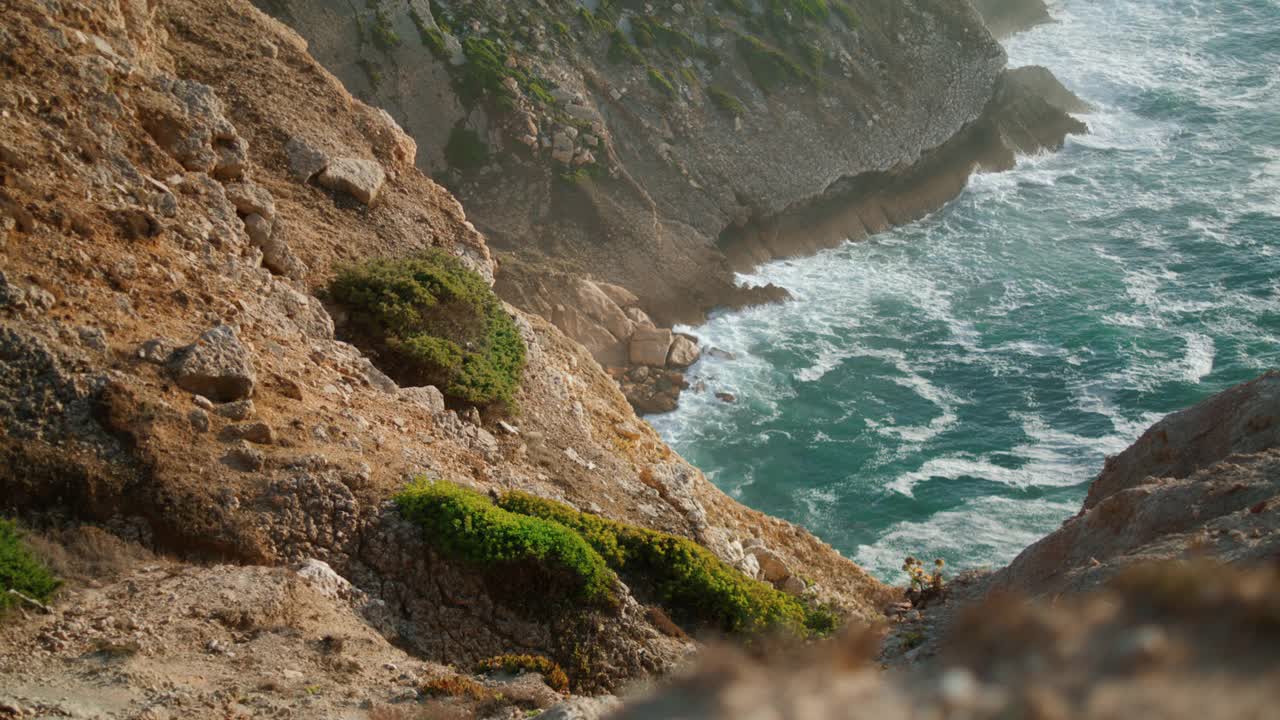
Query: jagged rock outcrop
x=664, y=146
x=1006, y=17
x=161, y=378
x=1203, y=481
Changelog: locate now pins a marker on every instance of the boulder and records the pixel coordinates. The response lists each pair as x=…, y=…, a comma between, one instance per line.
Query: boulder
x=361, y=179
x=583, y=708
x=305, y=161
x=597, y=304
x=217, y=366
x=250, y=199
x=427, y=396
x=772, y=567
x=649, y=346
x=620, y=296
x=684, y=352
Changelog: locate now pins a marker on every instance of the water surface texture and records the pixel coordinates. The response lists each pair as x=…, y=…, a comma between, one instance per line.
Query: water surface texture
x=950, y=388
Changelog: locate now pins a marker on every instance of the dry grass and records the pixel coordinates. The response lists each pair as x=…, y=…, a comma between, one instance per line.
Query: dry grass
x=86, y=553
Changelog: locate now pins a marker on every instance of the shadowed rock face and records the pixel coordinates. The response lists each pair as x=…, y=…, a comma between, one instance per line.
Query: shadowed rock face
x=1006, y=17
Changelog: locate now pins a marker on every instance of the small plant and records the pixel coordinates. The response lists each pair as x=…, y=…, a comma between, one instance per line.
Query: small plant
x=465, y=150
x=661, y=83
x=20, y=571
x=467, y=525
x=456, y=686
x=384, y=37
x=770, y=67
x=622, y=51
x=430, y=34
x=555, y=676
x=432, y=321
x=912, y=640
x=923, y=585
x=726, y=102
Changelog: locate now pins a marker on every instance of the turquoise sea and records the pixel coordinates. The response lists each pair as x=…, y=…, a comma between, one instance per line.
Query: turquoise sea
x=950, y=388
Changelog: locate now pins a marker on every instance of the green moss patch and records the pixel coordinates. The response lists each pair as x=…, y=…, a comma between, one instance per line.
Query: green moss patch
x=465, y=150
x=726, y=101
x=689, y=581
x=20, y=570
x=429, y=320
x=661, y=83
x=771, y=68
x=465, y=524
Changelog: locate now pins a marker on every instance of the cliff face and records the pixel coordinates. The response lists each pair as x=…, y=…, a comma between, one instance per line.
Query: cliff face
x=1006, y=17
x=660, y=146
x=1159, y=598
x=176, y=182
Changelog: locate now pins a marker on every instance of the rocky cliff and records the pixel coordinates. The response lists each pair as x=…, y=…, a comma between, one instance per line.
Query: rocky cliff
x=177, y=182
x=662, y=146
x=1159, y=599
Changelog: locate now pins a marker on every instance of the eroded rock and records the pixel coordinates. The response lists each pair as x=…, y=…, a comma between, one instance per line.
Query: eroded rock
x=217, y=366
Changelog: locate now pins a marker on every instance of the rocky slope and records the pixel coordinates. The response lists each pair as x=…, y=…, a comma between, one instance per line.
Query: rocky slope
x=176, y=182
x=661, y=146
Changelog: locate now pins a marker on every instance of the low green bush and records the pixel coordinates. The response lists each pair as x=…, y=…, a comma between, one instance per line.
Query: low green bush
x=464, y=524
x=661, y=83
x=430, y=320
x=770, y=67
x=20, y=570
x=726, y=101
x=687, y=579
x=384, y=37
x=622, y=51
x=465, y=150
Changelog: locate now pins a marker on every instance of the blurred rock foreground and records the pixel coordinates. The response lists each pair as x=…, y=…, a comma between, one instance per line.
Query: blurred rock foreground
x=208, y=466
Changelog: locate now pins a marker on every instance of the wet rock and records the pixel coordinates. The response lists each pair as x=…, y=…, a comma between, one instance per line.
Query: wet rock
x=726, y=397
x=217, y=366
x=361, y=179
x=684, y=352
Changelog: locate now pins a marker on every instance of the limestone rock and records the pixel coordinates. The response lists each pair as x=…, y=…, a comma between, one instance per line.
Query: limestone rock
x=772, y=567
x=582, y=708
x=361, y=179
x=251, y=198
x=428, y=396
x=305, y=161
x=684, y=352
x=649, y=346
x=217, y=366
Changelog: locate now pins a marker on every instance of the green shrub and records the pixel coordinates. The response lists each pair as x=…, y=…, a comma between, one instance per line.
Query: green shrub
x=727, y=102
x=485, y=70
x=621, y=50
x=661, y=83
x=555, y=676
x=20, y=570
x=431, y=36
x=431, y=320
x=464, y=524
x=686, y=578
x=846, y=14
x=384, y=37
x=770, y=68
x=465, y=150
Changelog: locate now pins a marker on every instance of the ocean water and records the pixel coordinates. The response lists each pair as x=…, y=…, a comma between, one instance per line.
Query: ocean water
x=950, y=388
